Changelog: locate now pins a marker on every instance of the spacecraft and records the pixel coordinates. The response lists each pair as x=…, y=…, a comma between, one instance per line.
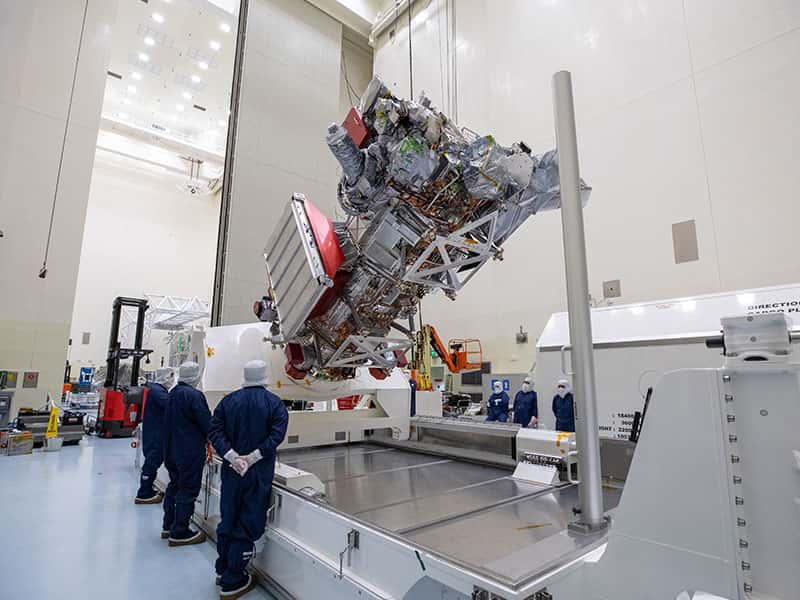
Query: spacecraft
x=427, y=204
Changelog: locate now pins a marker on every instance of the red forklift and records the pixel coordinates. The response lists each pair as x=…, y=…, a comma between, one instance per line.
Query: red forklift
x=122, y=404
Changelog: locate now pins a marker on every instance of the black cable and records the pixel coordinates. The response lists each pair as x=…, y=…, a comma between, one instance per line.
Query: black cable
x=43, y=270
x=410, y=58
x=351, y=91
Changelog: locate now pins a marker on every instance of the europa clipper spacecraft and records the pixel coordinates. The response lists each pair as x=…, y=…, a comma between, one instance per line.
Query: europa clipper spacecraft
x=428, y=203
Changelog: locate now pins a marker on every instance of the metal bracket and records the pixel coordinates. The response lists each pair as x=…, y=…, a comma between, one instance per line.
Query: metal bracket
x=357, y=350
x=481, y=594
x=352, y=544
x=211, y=469
x=439, y=262
x=277, y=502
x=569, y=461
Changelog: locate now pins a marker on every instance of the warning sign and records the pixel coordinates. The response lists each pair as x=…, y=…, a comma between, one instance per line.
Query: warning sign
x=52, y=424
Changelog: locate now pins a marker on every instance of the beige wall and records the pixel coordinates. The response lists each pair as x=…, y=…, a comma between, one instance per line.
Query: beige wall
x=143, y=235
x=357, y=57
x=39, y=42
x=290, y=93
x=686, y=110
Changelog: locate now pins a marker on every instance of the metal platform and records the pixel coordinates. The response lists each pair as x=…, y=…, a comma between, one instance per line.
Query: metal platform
x=474, y=515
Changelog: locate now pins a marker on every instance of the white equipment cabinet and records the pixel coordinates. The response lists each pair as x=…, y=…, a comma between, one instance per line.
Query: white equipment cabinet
x=636, y=344
x=715, y=509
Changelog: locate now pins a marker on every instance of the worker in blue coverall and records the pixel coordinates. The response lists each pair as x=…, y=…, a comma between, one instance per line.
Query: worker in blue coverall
x=564, y=407
x=185, y=436
x=526, y=405
x=497, y=404
x=153, y=435
x=247, y=427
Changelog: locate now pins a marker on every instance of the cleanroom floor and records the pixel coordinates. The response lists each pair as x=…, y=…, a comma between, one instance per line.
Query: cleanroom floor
x=70, y=529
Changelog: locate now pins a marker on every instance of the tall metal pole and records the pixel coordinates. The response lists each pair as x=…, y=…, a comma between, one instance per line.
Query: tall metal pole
x=592, y=517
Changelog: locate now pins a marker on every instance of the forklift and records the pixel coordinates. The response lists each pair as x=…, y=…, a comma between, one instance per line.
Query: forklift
x=122, y=404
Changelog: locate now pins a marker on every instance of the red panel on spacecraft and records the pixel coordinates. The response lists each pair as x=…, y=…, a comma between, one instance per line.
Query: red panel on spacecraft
x=354, y=125
x=327, y=241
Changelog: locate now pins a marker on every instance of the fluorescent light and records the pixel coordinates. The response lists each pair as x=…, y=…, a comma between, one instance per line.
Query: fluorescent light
x=131, y=89
x=222, y=123
x=179, y=107
x=122, y=115
x=148, y=41
x=225, y=27
x=203, y=65
x=143, y=57
x=215, y=45
x=136, y=76
x=158, y=17
x=195, y=79
x=186, y=96
x=127, y=101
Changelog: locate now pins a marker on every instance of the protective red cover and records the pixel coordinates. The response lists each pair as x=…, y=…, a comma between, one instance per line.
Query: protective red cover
x=328, y=242
x=354, y=125
x=347, y=403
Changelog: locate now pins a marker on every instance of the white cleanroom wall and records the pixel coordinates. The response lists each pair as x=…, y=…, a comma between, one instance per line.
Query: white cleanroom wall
x=686, y=110
x=145, y=233
x=290, y=93
x=50, y=104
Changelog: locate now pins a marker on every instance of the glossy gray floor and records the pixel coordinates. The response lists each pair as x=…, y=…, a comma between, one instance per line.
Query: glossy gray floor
x=70, y=530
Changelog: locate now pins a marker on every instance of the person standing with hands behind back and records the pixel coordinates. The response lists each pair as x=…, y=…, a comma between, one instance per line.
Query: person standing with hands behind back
x=247, y=427
x=564, y=407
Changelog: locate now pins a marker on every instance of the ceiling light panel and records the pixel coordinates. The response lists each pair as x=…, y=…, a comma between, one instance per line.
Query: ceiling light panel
x=158, y=17
x=159, y=37
x=187, y=81
x=187, y=37
x=134, y=60
x=201, y=54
